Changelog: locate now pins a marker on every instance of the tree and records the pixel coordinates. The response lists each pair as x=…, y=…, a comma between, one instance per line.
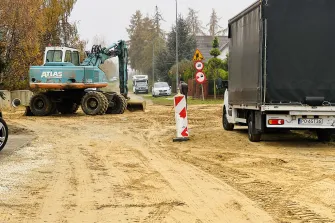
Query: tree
x=186, y=41
x=186, y=69
x=147, y=40
x=59, y=31
x=166, y=57
x=2, y=61
x=22, y=26
x=214, y=27
x=162, y=66
x=159, y=33
x=194, y=22
x=215, y=52
x=79, y=44
x=134, y=32
x=99, y=40
x=27, y=29
x=148, y=35
x=215, y=65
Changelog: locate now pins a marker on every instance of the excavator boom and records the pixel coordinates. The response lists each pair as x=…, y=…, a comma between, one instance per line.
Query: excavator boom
x=99, y=55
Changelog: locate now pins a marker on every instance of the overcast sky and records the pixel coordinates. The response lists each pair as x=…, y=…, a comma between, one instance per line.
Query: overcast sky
x=110, y=18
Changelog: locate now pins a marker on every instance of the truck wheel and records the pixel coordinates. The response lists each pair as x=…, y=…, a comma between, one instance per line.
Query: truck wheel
x=253, y=134
x=120, y=105
x=226, y=125
x=67, y=107
x=40, y=105
x=94, y=103
x=324, y=135
x=3, y=133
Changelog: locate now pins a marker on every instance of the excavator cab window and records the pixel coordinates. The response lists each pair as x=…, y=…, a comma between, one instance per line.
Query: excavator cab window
x=68, y=56
x=75, y=58
x=54, y=56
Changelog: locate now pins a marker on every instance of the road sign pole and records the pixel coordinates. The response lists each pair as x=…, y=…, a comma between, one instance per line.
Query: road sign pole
x=202, y=89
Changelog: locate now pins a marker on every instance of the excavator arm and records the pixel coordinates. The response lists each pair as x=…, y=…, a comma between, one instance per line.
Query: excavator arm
x=99, y=55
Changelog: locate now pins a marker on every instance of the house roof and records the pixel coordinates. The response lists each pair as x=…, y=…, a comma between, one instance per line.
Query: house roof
x=204, y=44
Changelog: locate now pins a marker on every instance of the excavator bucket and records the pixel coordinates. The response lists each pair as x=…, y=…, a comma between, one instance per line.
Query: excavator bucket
x=134, y=105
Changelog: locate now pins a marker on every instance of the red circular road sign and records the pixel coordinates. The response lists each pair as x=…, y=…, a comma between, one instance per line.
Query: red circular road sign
x=199, y=65
x=200, y=77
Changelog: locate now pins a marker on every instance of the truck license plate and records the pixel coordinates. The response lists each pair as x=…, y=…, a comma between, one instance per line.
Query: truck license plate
x=310, y=121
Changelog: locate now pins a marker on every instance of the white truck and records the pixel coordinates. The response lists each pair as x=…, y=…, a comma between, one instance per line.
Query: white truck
x=141, y=84
x=281, y=68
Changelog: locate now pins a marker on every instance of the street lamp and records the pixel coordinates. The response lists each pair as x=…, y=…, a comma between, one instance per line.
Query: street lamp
x=177, y=85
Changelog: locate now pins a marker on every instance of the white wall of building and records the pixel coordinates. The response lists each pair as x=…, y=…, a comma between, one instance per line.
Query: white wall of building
x=224, y=53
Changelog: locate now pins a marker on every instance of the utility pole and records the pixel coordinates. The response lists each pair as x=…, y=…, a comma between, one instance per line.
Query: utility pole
x=177, y=85
x=153, y=63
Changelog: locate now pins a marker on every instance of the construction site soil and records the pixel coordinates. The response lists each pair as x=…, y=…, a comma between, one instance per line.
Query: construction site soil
x=125, y=168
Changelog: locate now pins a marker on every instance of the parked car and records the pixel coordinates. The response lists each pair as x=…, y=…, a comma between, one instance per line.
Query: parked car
x=3, y=125
x=161, y=89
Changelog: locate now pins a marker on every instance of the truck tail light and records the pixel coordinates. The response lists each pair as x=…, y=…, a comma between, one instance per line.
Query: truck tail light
x=276, y=121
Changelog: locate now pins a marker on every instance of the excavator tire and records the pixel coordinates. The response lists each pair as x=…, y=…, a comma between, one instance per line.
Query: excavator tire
x=120, y=105
x=67, y=107
x=40, y=105
x=94, y=103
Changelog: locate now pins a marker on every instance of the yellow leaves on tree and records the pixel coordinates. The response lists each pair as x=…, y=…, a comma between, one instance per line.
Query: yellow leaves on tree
x=27, y=27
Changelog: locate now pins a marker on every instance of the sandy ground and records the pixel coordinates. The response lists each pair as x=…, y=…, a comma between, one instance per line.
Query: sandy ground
x=125, y=168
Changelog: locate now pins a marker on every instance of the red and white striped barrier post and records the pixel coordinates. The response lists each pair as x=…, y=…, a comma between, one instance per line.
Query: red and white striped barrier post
x=181, y=118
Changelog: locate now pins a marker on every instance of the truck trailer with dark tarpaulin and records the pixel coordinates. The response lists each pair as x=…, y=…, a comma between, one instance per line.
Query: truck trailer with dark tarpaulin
x=282, y=68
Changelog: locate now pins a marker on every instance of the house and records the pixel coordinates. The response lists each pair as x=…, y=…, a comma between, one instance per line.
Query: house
x=224, y=51
x=205, y=44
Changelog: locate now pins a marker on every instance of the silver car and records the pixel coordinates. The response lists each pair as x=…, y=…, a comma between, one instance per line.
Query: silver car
x=161, y=89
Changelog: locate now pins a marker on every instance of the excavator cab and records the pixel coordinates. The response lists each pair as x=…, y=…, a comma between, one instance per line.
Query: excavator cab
x=62, y=55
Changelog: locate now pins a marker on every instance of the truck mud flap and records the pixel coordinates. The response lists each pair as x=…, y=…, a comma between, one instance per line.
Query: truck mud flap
x=259, y=121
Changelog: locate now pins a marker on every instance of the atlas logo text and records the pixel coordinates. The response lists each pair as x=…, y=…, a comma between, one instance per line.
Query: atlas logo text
x=51, y=74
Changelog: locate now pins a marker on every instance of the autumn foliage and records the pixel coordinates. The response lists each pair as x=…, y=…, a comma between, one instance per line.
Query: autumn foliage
x=27, y=27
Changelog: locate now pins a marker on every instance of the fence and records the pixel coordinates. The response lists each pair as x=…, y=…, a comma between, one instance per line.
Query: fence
x=194, y=89
x=23, y=95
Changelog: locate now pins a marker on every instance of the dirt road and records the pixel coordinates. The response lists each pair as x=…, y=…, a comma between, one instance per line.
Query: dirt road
x=127, y=169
